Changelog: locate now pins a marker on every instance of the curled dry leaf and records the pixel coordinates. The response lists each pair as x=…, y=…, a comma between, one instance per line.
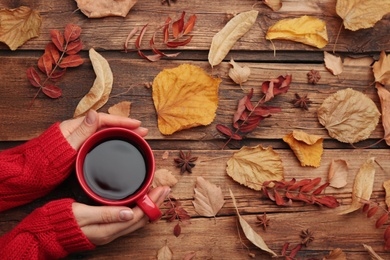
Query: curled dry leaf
x=251, y=166
x=359, y=14
x=101, y=89
x=386, y=186
x=349, y=116
x=305, y=29
x=19, y=25
x=338, y=173
x=103, y=8
x=336, y=254
x=250, y=234
x=225, y=39
x=381, y=69
x=164, y=177
x=384, y=97
x=208, y=199
x=333, y=63
x=120, y=109
x=372, y=253
x=239, y=74
x=184, y=97
x=362, y=186
x=275, y=5
x=164, y=253
x=307, y=148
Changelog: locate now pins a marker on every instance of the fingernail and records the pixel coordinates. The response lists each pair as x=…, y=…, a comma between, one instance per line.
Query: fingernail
x=125, y=215
x=90, y=118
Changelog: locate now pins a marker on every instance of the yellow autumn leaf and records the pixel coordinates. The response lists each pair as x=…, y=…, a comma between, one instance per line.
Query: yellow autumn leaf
x=225, y=39
x=349, y=115
x=381, y=69
x=362, y=186
x=101, y=89
x=251, y=166
x=305, y=29
x=120, y=109
x=184, y=97
x=386, y=186
x=103, y=8
x=360, y=14
x=19, y=25
x=307, y=148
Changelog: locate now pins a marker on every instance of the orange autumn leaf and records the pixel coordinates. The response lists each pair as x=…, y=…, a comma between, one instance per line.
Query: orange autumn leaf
x=384, y=96
x=120, y=109
x=19, y=25
x=381, y=69
x=184, y=97
x=307, y=148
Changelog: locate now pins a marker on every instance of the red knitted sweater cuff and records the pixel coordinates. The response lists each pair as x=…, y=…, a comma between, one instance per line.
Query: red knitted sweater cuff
x=68, y=232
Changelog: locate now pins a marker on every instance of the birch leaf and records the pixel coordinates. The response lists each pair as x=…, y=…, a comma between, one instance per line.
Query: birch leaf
x=384, y=97
x=18, y=26
x=208, y=199
x=164, y=253
x=381, y=69
x=362, y=186
x=225, y=39
x=184, y=97
x=250, y=234
x=251, y=166
x=338, y=173
x=120, y=109
x=358, y=14
x=307, y=148
x=164, y=177
x=333, y=63
x=349, y=116
x=386, y=186
x=239, y=74
x=103, y=8
x=305, y=29
x=101, y=89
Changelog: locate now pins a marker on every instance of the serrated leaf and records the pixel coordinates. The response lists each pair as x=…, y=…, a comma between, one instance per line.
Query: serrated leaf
x=208, y=199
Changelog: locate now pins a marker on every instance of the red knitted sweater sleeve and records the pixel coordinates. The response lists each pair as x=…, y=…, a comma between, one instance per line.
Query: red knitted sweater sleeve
x=32, y=170
x=49, y=232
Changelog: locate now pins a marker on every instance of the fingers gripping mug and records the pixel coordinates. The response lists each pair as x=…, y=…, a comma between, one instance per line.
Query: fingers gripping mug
x=115, y=167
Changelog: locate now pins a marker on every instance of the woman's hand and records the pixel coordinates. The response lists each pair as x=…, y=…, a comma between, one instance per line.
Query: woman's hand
x=103, y=224
x=77, y=130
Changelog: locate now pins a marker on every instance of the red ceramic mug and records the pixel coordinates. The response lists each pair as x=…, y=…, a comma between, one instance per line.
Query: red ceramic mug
x=115, y=166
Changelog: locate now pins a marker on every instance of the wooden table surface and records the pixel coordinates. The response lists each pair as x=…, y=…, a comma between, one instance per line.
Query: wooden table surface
x=210, y=238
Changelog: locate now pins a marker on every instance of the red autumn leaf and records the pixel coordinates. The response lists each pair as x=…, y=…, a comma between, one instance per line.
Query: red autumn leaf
x=265, y=111
x=268, y=194
x=366, y=207
x=52, y=50
x=299, y=184
x=310, y=186
x=56, y=75
x=189, y=25
x=155, y=50
x=45, y=63
x=276, y=86
x=295, y=250
x=328, y=201
x=382, y=220
x=140, y=36
x=58, y=39
x=178, y=26
x=131, y=34
x=250, y=124
x=386, y=235
x=175, y=44
x=177, y=230
x=71, y=61
x=241, y=106
x=279, y=199
x=52, y=91
x=72, y=32
x=321, y=188
x=33, y=77
x=74, y=47
x=227, y=131
x=166, y=29
x=154, y=57
x=372, y=211
x=284, y=248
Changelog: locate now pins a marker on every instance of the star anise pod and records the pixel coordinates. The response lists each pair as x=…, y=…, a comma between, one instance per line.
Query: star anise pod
x=301, y=101
x=263, y=221
x=313, y=76
x=185, y=162
x=307, y=237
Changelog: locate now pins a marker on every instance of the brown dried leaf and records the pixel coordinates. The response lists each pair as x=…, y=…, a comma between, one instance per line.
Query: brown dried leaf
x=338, y=173
x=250, y=234
x=164, y=253
x=103, y=8
x=349, y=115
x=208, y=199
x=120, y=109
x=381, y=69
x=373, y=254
x=384, y=97
x=101, y=89
x=239, y=74
x=362, y=186
x=275, y=5
x=307, y=148
x=359, y=14
x=164, y=177
x=19, y=25
x=336, y=254
x=251, y=166
x=333, y=63
x=386, y=186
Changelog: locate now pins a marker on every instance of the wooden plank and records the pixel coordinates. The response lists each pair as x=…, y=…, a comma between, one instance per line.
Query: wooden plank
x=110, y=33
